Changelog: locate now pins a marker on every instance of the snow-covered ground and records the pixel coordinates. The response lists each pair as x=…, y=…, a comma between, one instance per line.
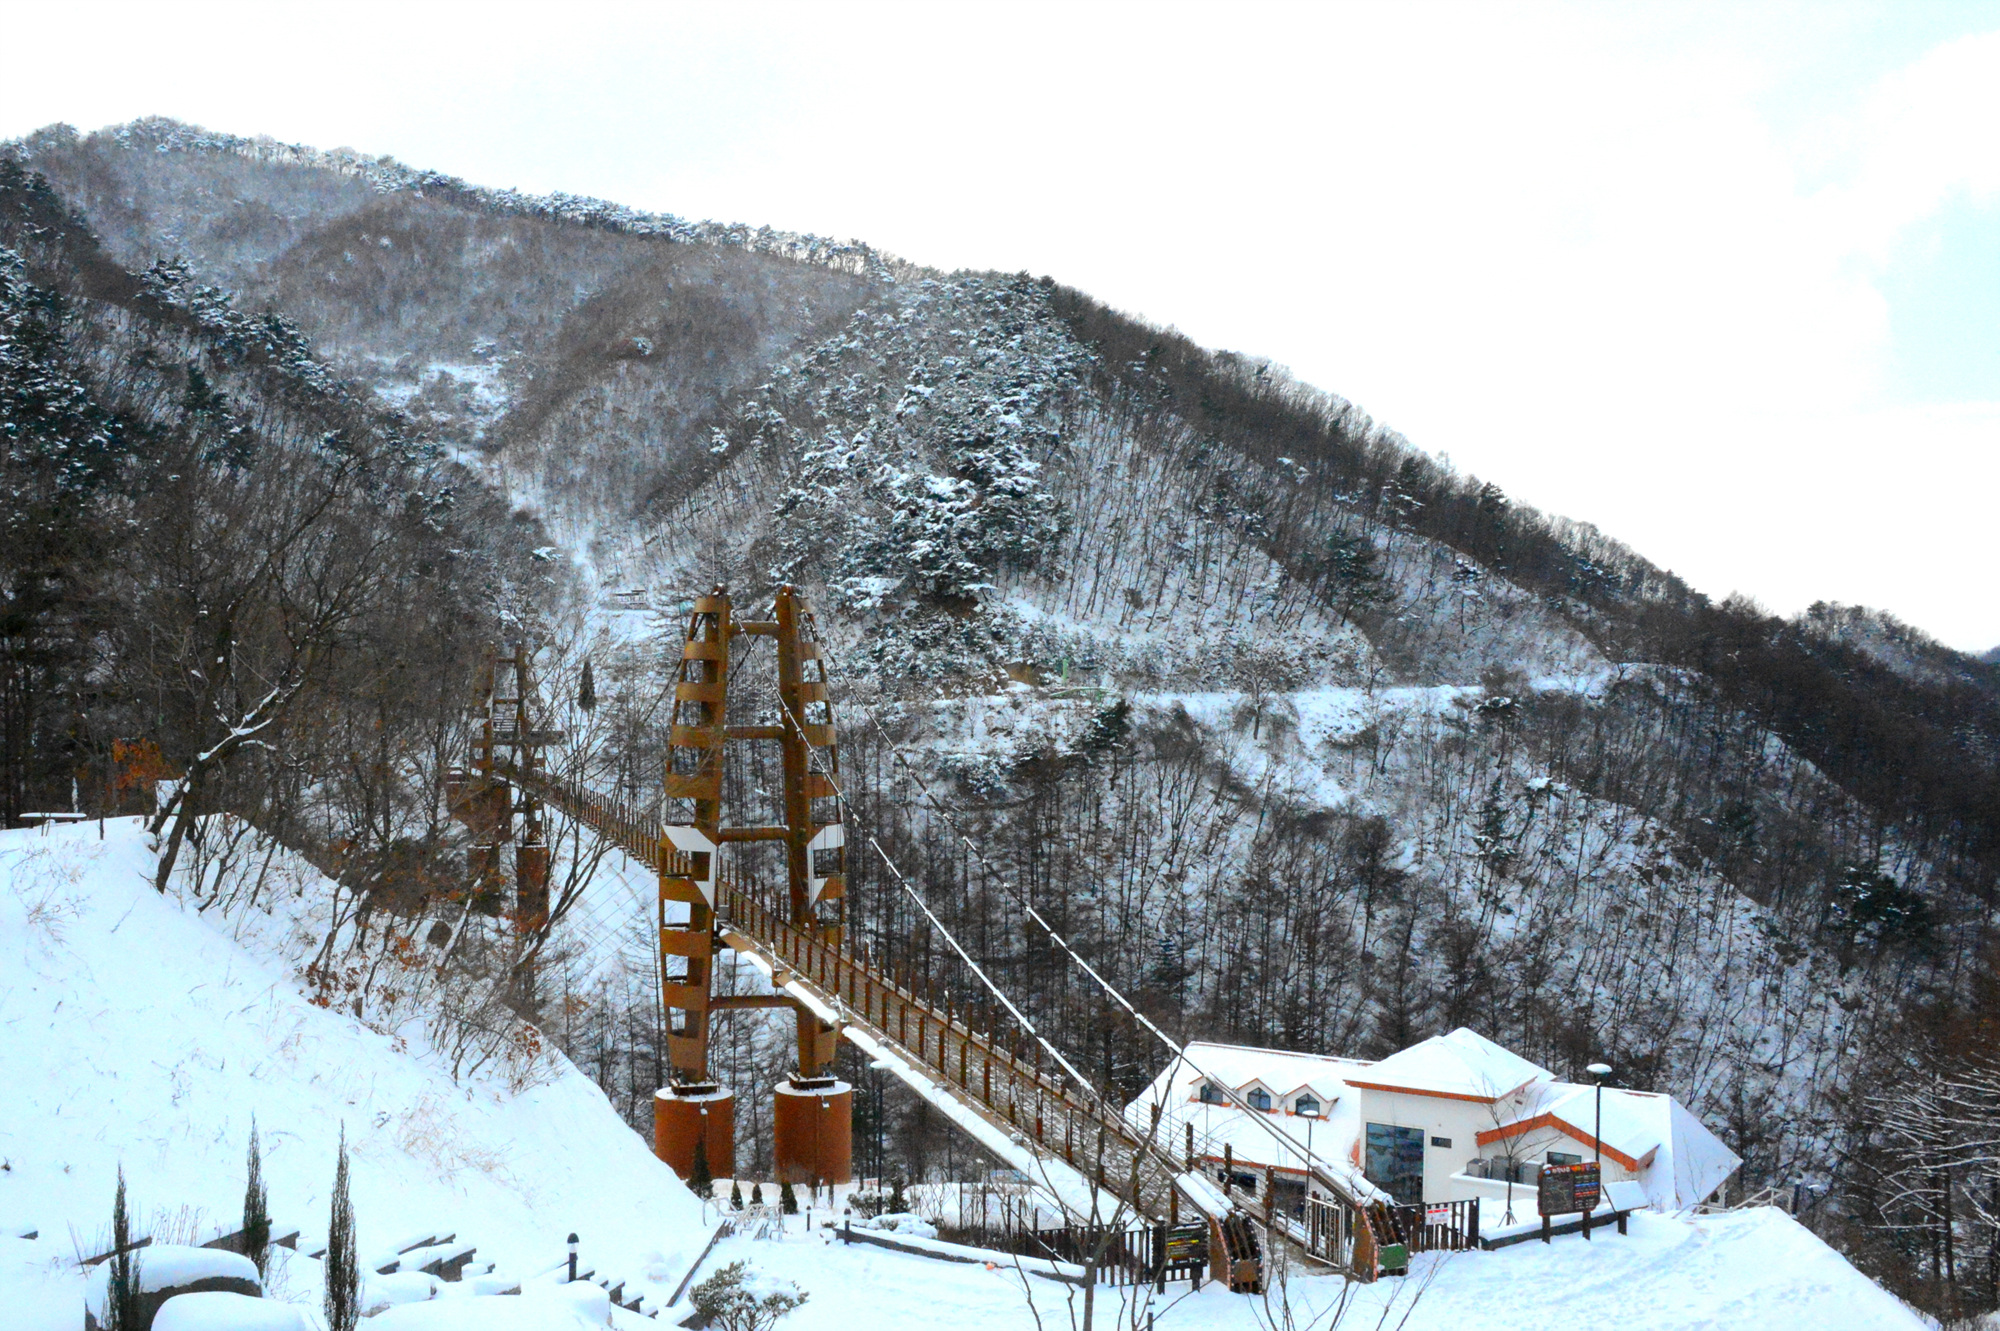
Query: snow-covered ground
x=136, y=1030
x=1754, y=1268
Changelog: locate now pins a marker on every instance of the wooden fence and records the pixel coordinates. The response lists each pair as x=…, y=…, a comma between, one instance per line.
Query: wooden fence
x=1139, y=1255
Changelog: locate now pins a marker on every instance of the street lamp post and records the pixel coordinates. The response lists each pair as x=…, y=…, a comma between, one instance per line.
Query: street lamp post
x=1600, y=1071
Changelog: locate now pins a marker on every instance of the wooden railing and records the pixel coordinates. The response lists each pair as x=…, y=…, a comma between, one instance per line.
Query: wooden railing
x=975, y=1068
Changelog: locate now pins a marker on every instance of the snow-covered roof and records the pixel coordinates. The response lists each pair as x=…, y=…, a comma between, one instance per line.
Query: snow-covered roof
x=1463, y=1064
x=1683, y=1162
x=1247, y=1135
x=1281, y=1071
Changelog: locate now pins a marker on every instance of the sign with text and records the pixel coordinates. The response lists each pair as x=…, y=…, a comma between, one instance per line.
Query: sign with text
x=1568, y=1189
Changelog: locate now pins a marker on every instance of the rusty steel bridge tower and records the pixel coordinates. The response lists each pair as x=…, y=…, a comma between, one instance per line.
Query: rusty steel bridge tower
x=813, y=1113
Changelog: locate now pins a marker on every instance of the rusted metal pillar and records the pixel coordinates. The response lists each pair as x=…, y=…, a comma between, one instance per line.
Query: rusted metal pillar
x=813, y=850
x=693, y=1107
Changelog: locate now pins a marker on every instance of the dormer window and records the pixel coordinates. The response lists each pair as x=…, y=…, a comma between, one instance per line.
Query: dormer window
x=1260, y=1099
x=1305, y=1104
x=1211, y=1094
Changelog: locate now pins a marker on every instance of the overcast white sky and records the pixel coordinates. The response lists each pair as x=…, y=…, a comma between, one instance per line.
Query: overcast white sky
x=1723, y=280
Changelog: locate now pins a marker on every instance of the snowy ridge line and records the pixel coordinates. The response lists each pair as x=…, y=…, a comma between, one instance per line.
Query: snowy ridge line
x=385, y=175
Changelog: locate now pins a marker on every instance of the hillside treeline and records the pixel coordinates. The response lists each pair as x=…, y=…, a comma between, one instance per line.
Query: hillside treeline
x=220, y=564
x=1302, y=737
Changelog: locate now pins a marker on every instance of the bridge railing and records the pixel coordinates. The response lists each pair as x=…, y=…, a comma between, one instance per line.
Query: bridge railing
x=1053, y=1119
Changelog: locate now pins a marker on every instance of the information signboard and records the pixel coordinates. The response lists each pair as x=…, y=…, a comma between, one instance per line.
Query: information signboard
x=1568, y=1189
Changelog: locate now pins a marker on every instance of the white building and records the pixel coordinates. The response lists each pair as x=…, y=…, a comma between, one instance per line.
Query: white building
x=1449, y=1119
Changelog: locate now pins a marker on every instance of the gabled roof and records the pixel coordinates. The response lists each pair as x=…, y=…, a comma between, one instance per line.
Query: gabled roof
x=1463, y=1065
x=1683, y=1161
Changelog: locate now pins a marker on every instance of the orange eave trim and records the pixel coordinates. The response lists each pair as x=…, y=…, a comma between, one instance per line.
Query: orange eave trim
x=1551, y=1121
x=1435, y=1095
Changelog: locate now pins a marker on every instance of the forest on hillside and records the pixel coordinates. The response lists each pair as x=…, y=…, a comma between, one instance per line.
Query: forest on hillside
x=1304, y=738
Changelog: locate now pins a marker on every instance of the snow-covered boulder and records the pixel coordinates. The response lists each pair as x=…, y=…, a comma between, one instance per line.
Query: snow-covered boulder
x=216, y=1310
x=551, y=1308
x=166, y=1270
x=396, y=1289
x=907, y=1223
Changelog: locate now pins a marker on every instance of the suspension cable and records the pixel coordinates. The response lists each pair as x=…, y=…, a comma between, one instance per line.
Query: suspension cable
x=1173, y=1046
x=1082, y=1081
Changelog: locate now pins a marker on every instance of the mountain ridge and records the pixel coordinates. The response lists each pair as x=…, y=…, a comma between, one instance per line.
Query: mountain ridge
x=1567, y=799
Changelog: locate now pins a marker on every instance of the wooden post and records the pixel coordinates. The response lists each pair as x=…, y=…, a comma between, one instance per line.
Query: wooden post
x=1545, y=1229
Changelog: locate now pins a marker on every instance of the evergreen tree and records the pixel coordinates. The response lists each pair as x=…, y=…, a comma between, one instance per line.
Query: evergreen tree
x=756, y=1194
x=121, y=1304
x=789, y=1201
x=735, y=1195
x=700, y=1180
x=256, y=1208
x=343, y=1266
x=586, y=689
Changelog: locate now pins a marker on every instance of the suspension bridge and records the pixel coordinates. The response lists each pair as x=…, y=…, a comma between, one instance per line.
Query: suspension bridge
x=978, y=1059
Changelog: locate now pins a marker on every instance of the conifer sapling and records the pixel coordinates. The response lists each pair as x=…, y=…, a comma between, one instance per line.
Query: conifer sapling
x=121, y=1303
x=343, y=1266
x=700, y=1181
x=256, y=1208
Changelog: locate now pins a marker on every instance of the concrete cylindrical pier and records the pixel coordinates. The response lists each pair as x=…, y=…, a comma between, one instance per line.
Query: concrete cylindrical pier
x=707, y=1115
x=814, y=1131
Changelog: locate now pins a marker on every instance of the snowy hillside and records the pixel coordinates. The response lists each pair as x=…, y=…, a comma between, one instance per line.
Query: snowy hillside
x=139, y=1032
x=1303, y=737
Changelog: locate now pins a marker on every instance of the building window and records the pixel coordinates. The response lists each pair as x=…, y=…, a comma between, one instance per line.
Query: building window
x=1305, y=1104
x=1564, y=1158
x=1394, y=1161
x=1260, y=1099
x=1211, y=1094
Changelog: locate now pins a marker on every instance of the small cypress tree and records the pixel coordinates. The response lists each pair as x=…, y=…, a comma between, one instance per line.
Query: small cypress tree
x=896, y=1203
x=343, y=1266
x=256, y=1208
x=756, y=1194
x=121, y=1303
x=586, y=689
x=699, y=1178
x=789, y=1203
x=735, y=1195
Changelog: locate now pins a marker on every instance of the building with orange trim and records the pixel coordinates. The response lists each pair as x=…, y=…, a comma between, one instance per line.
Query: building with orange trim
x=1448, y=1119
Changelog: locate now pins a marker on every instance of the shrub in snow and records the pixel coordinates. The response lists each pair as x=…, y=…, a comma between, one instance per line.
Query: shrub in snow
x=256, y=1208
x=735, y=1195
x=789, y=1202
x=902, y=1222
x=343, y=1269
x=120, y=1309
x=219, y=1311
x=736, y=1300
x=168, y=1271
x=700, y=1181
x=756, y=1194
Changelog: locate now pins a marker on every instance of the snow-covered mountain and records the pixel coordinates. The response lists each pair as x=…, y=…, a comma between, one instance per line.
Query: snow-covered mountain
x=1309, y=740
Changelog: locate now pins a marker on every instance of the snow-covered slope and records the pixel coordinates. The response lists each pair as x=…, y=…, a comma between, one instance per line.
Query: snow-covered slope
x=1753, y=1268
x=136, y=1031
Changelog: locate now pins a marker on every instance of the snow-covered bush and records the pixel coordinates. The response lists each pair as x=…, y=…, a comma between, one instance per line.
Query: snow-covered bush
x=737, y=1299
